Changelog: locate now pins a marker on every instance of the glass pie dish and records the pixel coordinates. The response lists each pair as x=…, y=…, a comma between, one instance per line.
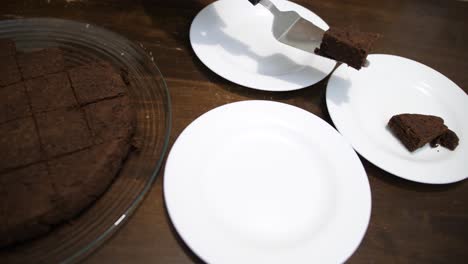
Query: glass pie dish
x=84, y=43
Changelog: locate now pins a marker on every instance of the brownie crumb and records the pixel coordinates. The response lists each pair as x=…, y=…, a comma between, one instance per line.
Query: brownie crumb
x=449, y=140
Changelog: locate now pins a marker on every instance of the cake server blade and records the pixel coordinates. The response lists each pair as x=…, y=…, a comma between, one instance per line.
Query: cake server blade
x=293, y=30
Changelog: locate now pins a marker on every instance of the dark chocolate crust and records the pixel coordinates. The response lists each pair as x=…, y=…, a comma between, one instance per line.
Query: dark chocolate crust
x=62, y=151
x=347, y=45
x=415, y=130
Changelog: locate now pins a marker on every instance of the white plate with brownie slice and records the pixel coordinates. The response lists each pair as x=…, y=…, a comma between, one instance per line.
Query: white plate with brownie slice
x=234, y=39
x=361, y=103
x=266, y=182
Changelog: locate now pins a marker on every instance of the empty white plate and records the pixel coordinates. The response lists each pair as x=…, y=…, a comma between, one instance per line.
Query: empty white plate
x=234, y=39
x=362, y=102
x=266, y=182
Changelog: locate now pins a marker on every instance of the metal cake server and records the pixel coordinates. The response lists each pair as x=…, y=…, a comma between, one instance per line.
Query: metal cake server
x=293, y=30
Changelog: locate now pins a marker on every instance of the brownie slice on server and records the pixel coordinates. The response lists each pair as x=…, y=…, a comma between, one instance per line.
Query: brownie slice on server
x=347, y=45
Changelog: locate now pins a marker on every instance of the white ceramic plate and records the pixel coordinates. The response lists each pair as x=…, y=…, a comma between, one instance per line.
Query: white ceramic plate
x=362, y=102
x=234, y=39
x=266, y=182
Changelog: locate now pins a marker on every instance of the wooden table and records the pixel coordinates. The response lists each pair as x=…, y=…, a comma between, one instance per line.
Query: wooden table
x=410, y=223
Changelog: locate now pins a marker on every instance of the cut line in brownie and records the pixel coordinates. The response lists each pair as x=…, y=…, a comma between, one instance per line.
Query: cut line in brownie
x=347, y=45
x=19, y=143
x=7, y=47
x=14, y=102
x=50, y=92
x=111, y=119
x=416, y=130
x=42, y=62
x=9, y=71
x=63, y=131
x=96, y=81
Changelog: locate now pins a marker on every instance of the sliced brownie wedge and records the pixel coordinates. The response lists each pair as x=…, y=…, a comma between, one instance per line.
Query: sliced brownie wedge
x=416, y=130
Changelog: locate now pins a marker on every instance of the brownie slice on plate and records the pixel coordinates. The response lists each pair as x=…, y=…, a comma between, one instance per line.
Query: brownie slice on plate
x=347, y=45
x=415, y=130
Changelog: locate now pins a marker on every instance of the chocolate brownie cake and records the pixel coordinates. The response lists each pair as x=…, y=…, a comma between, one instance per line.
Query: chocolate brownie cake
x=64, y=134
x=347, y=45
x=415, y=131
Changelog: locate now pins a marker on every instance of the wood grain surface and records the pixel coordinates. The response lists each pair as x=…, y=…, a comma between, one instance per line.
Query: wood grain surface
x=410, y=222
